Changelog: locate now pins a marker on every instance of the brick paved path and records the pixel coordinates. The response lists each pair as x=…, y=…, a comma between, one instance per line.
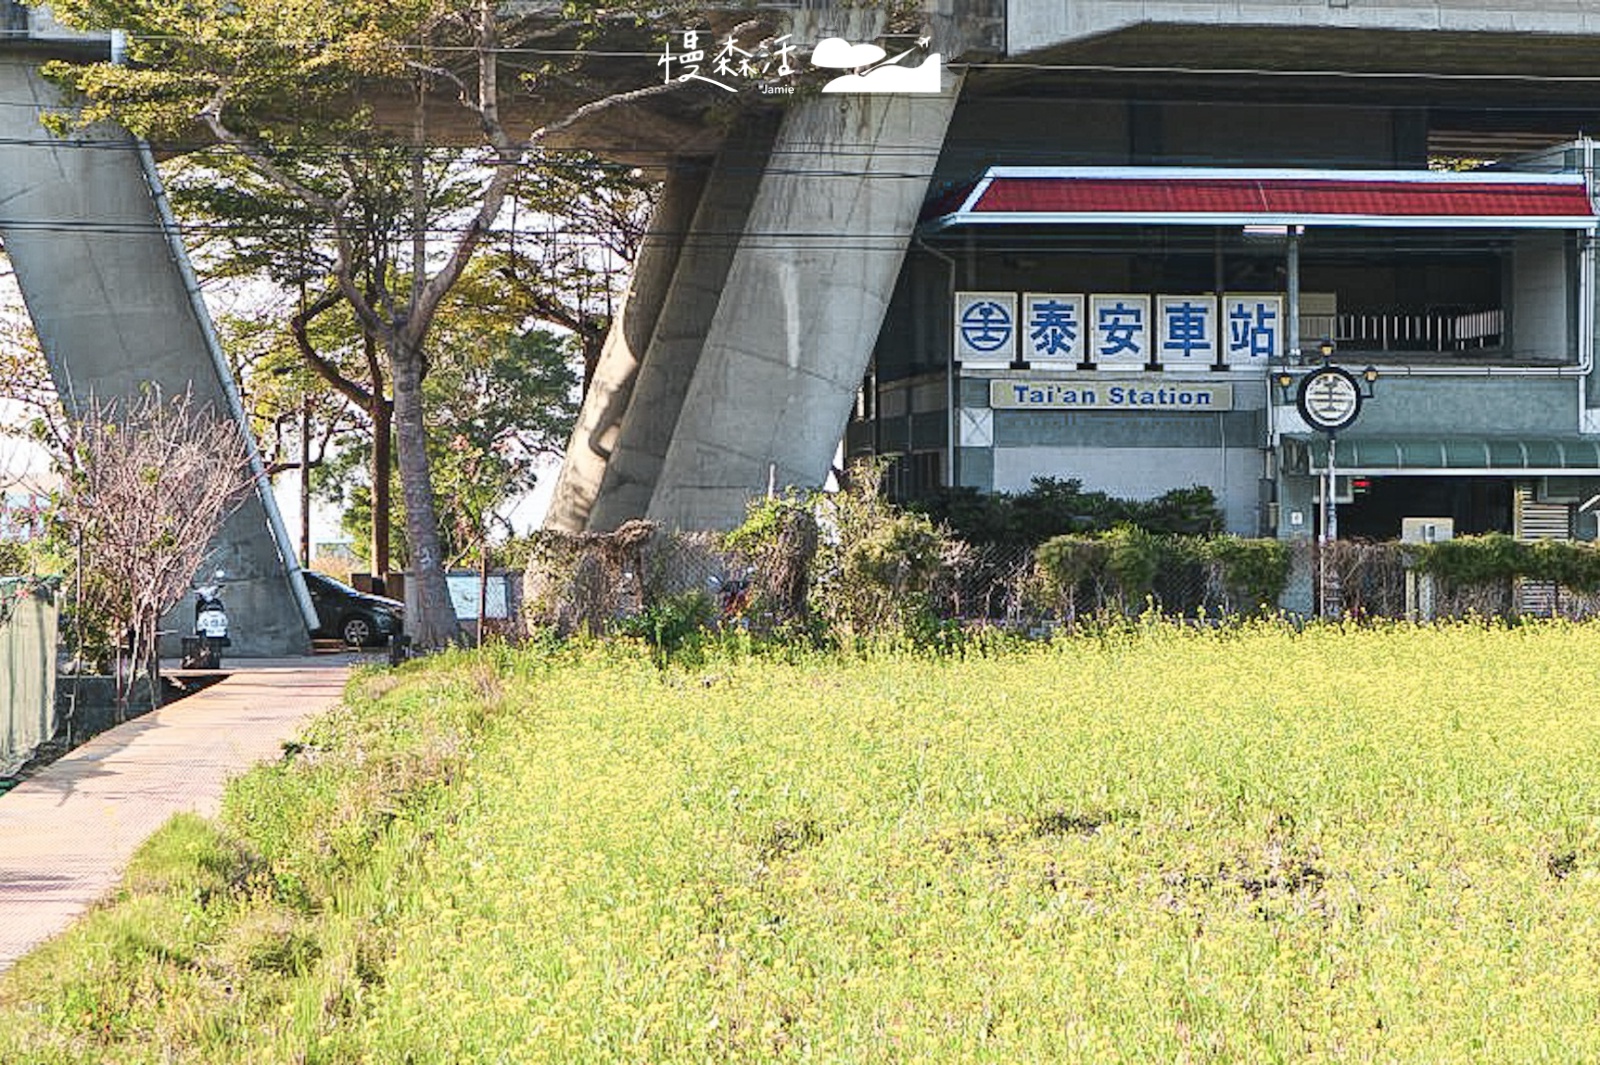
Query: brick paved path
x=67, y=833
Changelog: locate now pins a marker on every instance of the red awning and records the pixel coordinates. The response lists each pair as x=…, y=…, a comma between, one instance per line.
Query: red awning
x=1177, y=196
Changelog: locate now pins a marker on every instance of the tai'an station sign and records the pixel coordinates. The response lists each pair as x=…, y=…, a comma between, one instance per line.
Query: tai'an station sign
x=1144, y=394
x=996, y=330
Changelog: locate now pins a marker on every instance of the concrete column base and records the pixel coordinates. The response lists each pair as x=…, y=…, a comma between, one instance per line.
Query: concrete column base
x=804, y=299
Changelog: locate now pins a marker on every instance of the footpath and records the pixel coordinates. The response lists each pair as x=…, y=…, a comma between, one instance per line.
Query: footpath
x=66, y=834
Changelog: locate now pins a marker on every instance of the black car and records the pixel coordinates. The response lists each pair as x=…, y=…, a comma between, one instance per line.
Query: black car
x=359, y=619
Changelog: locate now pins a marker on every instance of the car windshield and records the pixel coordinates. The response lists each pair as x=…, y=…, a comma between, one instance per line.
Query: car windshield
x=336, y=584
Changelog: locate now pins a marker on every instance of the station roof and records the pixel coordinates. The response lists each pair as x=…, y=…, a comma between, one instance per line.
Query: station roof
x=1446, y=454
x=1033, y=195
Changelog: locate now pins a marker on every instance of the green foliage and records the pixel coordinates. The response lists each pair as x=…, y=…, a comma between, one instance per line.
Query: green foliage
x=1574, y=566
x=1054, y=507
x=18, y=557
x=1126, y=556
x=877, y=564
x=1254, y=571
x=765, y=518
x=495, y=404
x=865, y=567
x=1473, y=559
x=256, y=936
x=1132, y=558
x=672, y=623
x=1136, y=563
x=779, y=539
x=898, y=553
x=1157, y=844
x=1065, y=562
x=1495, y=558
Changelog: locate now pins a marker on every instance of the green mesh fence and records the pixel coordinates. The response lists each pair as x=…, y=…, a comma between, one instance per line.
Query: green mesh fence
x=28, y=614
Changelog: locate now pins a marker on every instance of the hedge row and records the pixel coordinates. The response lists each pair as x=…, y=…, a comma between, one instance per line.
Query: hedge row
x=1498, y=558
x=1132, y=562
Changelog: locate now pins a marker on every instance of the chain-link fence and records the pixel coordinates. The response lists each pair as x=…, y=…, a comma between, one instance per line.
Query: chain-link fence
x=1377, y=580
x=589, y=583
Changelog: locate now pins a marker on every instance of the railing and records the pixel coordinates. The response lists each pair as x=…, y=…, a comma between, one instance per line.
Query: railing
x=1437, y=331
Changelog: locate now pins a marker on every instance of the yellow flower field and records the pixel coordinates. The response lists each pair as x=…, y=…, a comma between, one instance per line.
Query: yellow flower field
x=1156, y=845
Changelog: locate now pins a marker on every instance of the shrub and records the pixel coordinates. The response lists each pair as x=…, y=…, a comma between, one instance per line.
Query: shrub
x=670, y=624
x=779, y=539
x=877, y=564
x=1133, y=556
x=1571, y=565
x=1486, y=559
x=1253, y=571
x=1064, y=563
x=1055, y=507
x=1183, y=572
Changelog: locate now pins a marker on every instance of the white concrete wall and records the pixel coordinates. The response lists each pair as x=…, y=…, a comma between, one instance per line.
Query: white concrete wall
x=1541, y=316
x=1032, y=24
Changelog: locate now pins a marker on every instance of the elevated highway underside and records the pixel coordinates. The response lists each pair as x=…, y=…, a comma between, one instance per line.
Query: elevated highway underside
x=780, y=234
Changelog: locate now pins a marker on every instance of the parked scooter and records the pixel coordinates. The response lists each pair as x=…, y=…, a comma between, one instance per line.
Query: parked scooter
x=210, y=627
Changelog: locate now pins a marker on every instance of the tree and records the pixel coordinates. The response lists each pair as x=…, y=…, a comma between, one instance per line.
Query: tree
x=148, y=486
x=496, y=404
x=307, y=359
x=273, y=82
x=569, y=271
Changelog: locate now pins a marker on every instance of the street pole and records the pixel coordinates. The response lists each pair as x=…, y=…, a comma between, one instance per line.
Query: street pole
x=1330, y=528
x=305, y=482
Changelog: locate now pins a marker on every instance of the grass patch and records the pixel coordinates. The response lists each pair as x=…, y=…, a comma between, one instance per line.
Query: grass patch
x=1154, y=844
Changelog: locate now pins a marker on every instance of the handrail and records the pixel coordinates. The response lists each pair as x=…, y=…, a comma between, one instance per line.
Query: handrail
x=1404, y=331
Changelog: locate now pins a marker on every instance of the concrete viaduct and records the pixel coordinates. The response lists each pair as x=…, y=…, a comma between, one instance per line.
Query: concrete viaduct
x=777, y=244
x=756, y=305
x=116, y=306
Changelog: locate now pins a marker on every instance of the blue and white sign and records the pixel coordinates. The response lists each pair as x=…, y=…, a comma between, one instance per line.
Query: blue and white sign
x=986, y=328
x=1188, y=330
x=1053, y=328
x=1119, y=330
x=1150, y=393
x=1252, y=329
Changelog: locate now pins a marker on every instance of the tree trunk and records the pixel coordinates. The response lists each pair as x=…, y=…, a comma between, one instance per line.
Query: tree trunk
x=434, y=621
x=382, y=414
x=593, y=341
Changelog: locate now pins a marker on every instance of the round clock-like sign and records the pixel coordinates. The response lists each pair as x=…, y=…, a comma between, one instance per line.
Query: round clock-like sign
x=1329, y=398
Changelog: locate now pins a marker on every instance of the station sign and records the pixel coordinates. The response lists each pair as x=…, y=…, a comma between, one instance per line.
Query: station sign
x=1142, y=394
x=1117, y=331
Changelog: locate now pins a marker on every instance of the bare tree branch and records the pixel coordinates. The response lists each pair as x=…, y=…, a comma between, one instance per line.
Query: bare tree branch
x=150, y=488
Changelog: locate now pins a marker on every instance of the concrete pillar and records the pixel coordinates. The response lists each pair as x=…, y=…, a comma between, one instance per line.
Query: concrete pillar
x=113, y=311
x=599, y=425
x=804, y=299
x=690, y=304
